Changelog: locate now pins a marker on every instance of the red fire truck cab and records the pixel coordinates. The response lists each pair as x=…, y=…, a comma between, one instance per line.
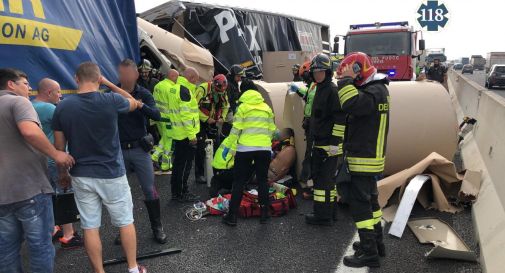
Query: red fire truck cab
x=392, y=46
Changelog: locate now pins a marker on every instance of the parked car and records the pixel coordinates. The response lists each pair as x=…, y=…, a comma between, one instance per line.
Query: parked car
x=458, y=66
x=467, y=68
x=496, y=76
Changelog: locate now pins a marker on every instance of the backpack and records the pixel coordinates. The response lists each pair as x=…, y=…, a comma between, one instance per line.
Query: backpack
x=249, y=207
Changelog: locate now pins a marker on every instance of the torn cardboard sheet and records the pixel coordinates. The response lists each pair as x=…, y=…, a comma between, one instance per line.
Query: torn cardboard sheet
x=448, y=244
x=447, y=184
x=406, y=205
x=388, y=214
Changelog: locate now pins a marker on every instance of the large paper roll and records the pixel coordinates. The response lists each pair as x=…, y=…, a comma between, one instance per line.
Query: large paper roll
x=422, y=121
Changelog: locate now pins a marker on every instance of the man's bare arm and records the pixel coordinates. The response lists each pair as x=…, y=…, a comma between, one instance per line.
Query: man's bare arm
x=134, y=104
x=60, y=143
x=32, y=133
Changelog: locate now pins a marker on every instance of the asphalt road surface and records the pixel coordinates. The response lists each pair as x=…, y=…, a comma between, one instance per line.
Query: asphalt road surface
x=287, y=244
x=479, y=77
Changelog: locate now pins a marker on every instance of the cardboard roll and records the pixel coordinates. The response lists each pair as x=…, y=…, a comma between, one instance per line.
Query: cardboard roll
x=422, y=121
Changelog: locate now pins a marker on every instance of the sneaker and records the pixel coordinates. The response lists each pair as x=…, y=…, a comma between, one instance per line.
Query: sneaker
x=189, y=197
x=58, y=234
x=141, y=269
x=75, y=242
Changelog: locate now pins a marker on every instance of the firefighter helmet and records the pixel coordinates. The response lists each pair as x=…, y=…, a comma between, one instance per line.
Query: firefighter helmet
x=220, y=83
x=361, y=64
x=237, y=70
x=305, y=68
x=320, y=62
x=145, y=65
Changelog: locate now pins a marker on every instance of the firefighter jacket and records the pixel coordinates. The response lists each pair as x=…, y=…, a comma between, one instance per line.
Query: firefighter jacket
x=327, y=120
x=367, y=124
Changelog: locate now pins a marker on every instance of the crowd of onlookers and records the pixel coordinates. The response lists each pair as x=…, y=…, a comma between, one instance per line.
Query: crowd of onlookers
x=86, y=143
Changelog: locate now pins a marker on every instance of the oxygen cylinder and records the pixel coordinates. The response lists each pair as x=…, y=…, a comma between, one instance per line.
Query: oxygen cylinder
x=209, y=156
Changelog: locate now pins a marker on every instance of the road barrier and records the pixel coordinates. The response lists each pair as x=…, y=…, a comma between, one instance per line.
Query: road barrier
x=484, y=149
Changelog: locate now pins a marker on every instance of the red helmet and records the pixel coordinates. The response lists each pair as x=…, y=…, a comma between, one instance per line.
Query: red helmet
x=361, y=64
x=304, y=68
x=220, y=83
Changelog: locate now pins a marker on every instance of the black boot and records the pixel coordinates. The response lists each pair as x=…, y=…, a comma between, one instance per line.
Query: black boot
x=322, y=215
x=367, y=254
x=334, y=210
x=379, y=239
x=265, y=215
x=200, y=179
x=153, y=209
x=230, y=219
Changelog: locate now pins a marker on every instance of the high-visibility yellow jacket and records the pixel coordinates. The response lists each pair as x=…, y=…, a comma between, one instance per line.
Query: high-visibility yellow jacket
x=211, y=104
x=253, y=124
x=307, y=93
x=184, y=82
x=183, y=112
x=160, y=95
x=224, y=164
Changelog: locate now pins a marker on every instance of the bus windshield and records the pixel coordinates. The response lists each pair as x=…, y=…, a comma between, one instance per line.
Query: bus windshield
x=375, y=44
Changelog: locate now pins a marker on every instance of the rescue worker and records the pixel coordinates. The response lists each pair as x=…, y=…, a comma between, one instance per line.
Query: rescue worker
x=189, y=79
x=146, y=79
x=296, y=75
x=222, y=180
x=234, y=77
x=213, y=110
x=307, y=93
x=183, y=114
x=252, y=132
x=327, y=126
x=437, y=72
x=364, y=96
x=164, y=149
x=148, y=82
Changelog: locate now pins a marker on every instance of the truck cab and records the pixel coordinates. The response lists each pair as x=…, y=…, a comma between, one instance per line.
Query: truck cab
x=391, y=46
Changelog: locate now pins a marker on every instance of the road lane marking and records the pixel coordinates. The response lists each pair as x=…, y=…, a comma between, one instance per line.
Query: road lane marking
x=341, y=268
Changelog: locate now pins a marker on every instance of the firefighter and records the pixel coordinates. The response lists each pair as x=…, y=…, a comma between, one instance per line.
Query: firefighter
x=213, y=110
x=437, y=72
x=182, y=111
x=164, y=149
x=364, y=96
x=234, y=77
x=307, y=93
x=327, y=126
x=146, y=78
x=296, y=76
x=252, y=132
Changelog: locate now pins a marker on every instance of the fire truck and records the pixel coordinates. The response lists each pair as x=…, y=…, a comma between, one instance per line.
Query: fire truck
x=394, y=47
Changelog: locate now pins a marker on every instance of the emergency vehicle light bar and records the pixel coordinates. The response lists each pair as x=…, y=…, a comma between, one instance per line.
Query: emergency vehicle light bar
x=378, y=24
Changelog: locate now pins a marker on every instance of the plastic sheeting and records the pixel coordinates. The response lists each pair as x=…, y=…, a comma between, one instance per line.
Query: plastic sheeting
x=51, y=38
x=180, y=51
x=422, y=121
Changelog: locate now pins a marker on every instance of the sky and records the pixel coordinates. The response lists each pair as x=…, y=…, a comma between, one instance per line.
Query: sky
x=474, y=27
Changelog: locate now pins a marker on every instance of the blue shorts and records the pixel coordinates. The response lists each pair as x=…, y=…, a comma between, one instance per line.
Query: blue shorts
x=114, y=194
